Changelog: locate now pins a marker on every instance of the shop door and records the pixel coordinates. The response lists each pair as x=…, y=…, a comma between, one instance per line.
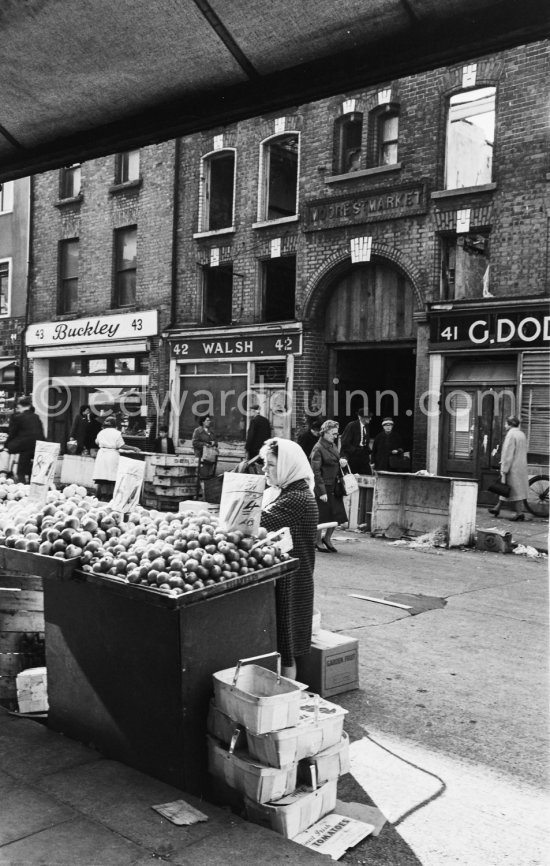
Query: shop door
x=473, y=432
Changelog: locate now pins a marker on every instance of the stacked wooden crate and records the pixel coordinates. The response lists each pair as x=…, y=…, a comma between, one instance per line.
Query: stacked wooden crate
x=168, y=479
x=281, y=748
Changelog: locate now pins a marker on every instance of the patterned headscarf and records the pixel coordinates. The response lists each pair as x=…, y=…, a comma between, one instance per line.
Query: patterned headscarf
x=292, y=465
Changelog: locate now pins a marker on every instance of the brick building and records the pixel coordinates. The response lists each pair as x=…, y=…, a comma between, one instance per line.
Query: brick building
x=387, y=246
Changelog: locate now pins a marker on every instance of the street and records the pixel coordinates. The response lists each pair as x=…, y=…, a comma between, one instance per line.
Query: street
x=452, y=709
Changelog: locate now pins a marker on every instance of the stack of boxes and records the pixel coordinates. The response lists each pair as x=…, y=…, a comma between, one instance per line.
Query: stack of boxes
x=279, y=746
x=168, y=479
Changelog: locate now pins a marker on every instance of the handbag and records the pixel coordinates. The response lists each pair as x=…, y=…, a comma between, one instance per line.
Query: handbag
x=209, y=454
x=338, y=490
x=349, y=481
x=500, y=488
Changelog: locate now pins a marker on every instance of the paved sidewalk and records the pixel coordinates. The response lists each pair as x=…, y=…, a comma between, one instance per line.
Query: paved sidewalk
x=532, y=531
x=63, y=804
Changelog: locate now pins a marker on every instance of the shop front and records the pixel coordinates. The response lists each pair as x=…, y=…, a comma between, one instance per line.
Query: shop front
x=103, y=362
x=486, y=363
x=223, y=372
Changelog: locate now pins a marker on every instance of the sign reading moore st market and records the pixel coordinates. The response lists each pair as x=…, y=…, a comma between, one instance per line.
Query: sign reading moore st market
x=372, y=206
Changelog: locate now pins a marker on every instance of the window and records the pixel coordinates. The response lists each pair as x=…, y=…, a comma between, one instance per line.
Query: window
x=70, y=181
x=388, y=129
x=218, y=295
x=218, y=191
x=6, y=196
x=470, y=136
x=127, y=166
x=68, y=276
x=465, y=266
x=125, y=266
x=348, y=132
x=4, y=288
x=280, y=177
x=279, y=289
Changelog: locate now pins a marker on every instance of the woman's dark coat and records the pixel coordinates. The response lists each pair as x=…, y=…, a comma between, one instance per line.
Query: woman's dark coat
x=325, y=462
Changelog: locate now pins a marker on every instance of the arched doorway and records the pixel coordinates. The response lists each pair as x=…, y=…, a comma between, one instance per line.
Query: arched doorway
x=371, y=338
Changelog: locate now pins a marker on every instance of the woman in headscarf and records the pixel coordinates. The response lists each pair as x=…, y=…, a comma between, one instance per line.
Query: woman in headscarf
x=289, y=501
x=326, y=462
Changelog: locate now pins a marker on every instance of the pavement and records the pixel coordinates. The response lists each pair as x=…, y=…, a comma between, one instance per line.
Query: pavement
x=64, y=804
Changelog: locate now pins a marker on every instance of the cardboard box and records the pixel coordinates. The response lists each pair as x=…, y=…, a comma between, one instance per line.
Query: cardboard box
x=332, y=666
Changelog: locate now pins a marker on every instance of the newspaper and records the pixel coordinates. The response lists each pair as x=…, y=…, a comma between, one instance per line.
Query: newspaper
x=181, y=813
x=333, y=835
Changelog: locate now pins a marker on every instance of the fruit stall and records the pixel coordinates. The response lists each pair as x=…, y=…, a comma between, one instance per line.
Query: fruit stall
x=139, y=613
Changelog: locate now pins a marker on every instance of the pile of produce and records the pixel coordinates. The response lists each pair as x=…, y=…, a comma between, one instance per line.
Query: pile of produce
x=174, y=553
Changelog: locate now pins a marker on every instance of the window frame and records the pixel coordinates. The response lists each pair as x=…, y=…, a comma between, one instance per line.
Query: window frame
x=226, y=268
x=450, y=241
x=119, y=270
x=7, y=196
x=447, y=167
x=68, y=284
x=377, y=119
x=122, y=167
x=264, y=266
x=205, y=196
x=265, y=176
x=8, y=263
x=341, y=153
x=70, y=172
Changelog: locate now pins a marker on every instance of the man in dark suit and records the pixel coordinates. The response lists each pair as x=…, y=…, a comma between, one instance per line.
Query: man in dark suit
x=258, y=431
x=355, y=443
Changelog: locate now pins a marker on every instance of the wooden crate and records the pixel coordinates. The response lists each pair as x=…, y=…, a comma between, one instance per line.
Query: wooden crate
x=21, y=631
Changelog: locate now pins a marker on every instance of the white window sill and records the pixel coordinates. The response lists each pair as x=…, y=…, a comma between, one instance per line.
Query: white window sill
x=215, y=232
x=365, y=172
x=463, y=190
x=266, y=223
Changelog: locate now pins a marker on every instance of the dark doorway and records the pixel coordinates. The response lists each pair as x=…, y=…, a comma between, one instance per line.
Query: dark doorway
x=387, y=377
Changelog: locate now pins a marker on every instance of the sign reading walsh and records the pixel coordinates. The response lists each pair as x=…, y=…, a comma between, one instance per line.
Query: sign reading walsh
x=126, y=326
x=372, y=206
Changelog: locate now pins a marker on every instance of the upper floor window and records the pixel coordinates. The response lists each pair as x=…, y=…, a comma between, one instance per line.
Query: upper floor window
x=68, y=275
x=279, y=289
x=218, y=295
x=388, y=132
x=70, y=181
x=5, y=284
x=127, y=166
x=125, y=266
x=280, y=177
x=470, y=138
x=465, y=266
x=6, y=196
x=218, y=190
x=348, y=134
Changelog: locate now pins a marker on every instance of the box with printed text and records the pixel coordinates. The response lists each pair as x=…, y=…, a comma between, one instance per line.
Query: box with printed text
x=332, y=666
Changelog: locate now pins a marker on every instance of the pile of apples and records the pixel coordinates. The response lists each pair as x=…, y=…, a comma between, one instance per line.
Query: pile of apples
x=175, y=553
x=11, y=490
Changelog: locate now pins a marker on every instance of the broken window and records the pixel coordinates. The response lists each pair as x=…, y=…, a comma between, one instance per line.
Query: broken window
x=70, y=181
x=218, y=191
x=348, y=132
x=279, y=289
x=280, y=177
x=470, y=137
x=465, y=266
x=218, y=295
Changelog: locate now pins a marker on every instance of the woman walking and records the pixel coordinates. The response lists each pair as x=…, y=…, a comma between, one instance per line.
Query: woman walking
x=326, y=463
x=513, y=469
x=291, y=503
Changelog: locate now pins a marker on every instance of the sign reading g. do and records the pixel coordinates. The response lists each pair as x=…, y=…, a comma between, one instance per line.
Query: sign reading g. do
x=491, y=329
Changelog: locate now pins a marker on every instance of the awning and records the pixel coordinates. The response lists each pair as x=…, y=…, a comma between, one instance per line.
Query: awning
x=6, y=362
x=124, y=346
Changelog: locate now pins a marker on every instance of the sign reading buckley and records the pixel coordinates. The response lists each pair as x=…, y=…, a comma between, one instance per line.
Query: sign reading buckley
x=491, y=330
x=127, y=326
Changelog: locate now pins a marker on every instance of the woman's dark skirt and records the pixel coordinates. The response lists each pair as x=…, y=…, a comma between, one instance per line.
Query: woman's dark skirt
x=333, y=509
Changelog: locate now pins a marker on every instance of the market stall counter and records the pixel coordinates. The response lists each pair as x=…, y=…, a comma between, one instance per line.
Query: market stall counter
x=130, y=668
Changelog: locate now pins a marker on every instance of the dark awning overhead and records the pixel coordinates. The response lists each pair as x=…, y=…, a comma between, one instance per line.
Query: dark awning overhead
x=82, y=79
